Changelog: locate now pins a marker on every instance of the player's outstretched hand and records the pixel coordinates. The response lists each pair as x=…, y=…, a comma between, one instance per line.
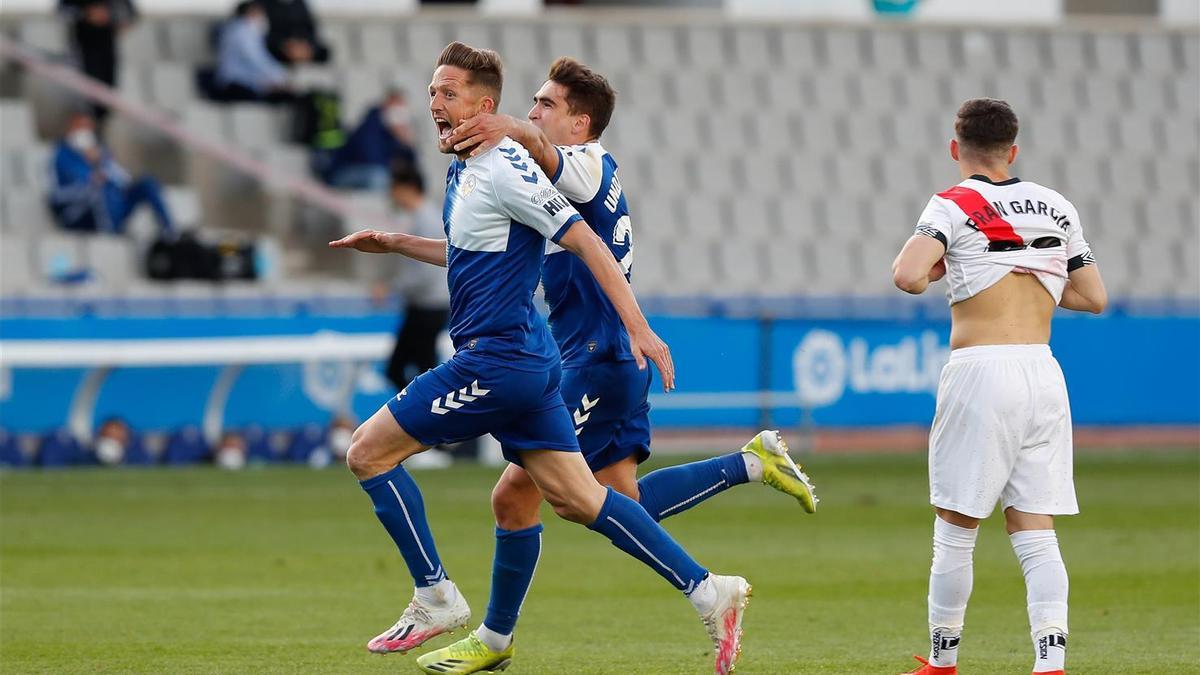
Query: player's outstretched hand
x=367, y=241
x=480, y=132
x=646, y=345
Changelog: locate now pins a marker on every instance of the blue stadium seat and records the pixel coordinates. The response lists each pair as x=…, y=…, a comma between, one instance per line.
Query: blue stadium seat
x=59, y=449
x=186, y=446
x=137, y=454
x=307, y=440
x=258, y=445
x=10, y=451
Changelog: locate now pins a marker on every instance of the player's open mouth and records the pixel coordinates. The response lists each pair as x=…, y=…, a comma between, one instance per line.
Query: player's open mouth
x=444, y=129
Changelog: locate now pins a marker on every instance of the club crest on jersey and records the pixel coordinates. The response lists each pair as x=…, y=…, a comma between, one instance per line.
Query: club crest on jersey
x=469, y=184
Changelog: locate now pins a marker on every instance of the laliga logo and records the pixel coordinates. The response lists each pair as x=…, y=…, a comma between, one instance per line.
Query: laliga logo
x=823, y=366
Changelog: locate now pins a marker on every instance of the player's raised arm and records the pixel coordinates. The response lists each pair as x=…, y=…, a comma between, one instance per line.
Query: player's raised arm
x=432, y=251
x=583, y=242
x=483, y=131
x=1085, y=290
x=922, y=260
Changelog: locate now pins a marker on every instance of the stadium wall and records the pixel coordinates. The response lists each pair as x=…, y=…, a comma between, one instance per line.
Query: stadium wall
x=733, y=372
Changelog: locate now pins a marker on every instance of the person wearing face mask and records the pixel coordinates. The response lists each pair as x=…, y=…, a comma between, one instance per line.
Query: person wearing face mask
x=91, y=192
x=382, y=139
x=246, y=70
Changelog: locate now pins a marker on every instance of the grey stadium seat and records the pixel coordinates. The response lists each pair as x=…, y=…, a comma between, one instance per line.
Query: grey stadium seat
x=16, y=124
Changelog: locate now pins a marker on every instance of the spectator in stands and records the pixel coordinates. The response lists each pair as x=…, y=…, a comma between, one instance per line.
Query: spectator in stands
x=91, y=192
x=95, y=25
x=231, y=452
x=292, y=37
x=426, y=299
x=383, y=138
x=246, y=71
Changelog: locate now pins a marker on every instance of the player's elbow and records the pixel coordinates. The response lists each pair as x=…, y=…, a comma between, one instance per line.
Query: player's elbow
x=909, y=280
x=1099, y=301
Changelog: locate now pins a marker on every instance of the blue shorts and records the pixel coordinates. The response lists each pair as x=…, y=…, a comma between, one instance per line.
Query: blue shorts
x=609, y=409
x=465, y=398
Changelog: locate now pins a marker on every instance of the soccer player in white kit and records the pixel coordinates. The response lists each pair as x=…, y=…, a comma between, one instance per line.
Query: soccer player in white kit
x=1012, y=251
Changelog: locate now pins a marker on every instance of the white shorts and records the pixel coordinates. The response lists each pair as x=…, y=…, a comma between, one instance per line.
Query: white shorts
x=1002, y=433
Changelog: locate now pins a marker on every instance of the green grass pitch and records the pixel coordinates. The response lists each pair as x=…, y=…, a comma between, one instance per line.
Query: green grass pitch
x=287, y=571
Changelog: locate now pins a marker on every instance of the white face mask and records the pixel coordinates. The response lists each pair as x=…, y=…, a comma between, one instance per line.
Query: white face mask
x=396, y=115
x=231, y=458
x=109, y=451
x=339, y=441
x=260, y=24
x=82, y=139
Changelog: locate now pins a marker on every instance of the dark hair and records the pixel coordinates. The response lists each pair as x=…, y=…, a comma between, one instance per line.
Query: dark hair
x=986, y=125
x=243, y=8
x=405, y=173
x=484, y=66
x=588, y=93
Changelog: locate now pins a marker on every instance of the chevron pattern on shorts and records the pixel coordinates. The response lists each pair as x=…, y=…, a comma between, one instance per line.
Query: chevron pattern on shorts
x=457, y=399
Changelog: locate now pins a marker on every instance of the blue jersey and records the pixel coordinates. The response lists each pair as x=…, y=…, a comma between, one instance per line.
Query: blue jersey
x=499, y=209
x=583, y=320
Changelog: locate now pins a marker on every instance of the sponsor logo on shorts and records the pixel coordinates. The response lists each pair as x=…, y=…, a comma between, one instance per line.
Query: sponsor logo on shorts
x=457, y=399
x=583, y=412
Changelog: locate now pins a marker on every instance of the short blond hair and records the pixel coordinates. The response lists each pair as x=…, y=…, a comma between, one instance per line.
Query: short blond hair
x=483, y=65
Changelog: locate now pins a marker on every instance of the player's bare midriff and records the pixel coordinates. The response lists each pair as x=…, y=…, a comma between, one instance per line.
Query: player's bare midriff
x=1016, y=310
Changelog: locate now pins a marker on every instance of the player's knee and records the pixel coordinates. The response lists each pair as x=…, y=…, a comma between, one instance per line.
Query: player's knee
x=515, y=508
x=360, y=456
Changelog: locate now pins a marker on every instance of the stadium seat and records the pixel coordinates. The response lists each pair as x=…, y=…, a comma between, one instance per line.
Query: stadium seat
x=706, y=48
x=254, y=125
x=10, y=451
x=305, y=442
x=568, y=39
x=844, y=50
x=113, y=258
x=1155, y=54
x=59, y=449
x=938, y=50
x=188, y=41
x=185, y=446
x=258, y=445
x=377, y=44
x=16, y=120
x=1068, y=53
x=521, y=47
x=343, y=44
x=136, y=454
x=45, y=33
x=891, y=50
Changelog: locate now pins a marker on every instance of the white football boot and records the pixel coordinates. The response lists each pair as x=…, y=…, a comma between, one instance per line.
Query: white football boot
x=421, y=622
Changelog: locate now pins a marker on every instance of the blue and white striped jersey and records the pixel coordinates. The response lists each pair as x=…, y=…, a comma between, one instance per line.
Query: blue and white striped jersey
x=499, y=208
x=584, y=323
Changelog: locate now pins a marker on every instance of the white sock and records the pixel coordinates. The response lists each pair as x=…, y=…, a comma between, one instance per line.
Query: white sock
x=704, y=595
x=1046, y=589
x=441, y=594
x=754, y=469
x=950, y=579
x=495, y=641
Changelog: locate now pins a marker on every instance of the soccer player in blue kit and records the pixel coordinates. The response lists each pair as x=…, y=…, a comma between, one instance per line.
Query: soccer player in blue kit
x=504, y=380
x=601, y=383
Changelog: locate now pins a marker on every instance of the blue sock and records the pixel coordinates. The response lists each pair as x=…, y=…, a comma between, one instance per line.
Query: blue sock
x=632, y=530
x=399, y=506
x=675, y=489
x=517, y=553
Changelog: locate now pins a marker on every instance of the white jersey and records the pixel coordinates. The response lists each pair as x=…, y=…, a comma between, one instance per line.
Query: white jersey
x=991, y=229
